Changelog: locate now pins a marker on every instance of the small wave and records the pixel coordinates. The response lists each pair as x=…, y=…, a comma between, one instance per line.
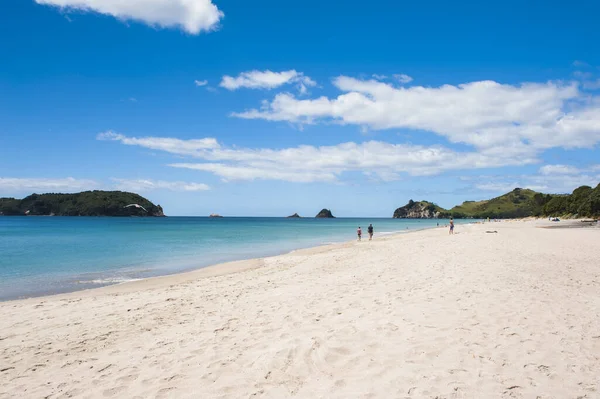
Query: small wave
x=105, y=281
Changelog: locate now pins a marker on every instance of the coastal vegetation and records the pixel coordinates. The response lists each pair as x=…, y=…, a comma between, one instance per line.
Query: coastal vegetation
x=419, y=210
x=88, y=203
x=583, y=202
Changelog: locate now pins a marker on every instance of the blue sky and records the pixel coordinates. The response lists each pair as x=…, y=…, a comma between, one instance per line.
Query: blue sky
x=268, y=108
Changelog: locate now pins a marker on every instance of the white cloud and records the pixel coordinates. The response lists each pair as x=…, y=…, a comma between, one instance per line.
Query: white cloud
x=69, y=184
x=193, y=16
x=379, y=77
x=246, y=172
x=200, y=83
x=578, y=63
x=582, y=75
x=139, y=185
x=550, y=179
x=591, y=84
x=267, y=80
x=588, y=82
x=559, y=169
x=175, y=146
x=19, y=186
x=486, y=115
x=402, y=78
x=505, y=187
x=327, y=163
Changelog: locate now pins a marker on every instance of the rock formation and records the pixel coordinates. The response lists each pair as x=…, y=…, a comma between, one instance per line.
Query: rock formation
x=325, y=213
x=418, y=210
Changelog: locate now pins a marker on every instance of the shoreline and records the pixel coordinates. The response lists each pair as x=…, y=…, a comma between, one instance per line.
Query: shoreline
x=197, y=272
x=235, y=266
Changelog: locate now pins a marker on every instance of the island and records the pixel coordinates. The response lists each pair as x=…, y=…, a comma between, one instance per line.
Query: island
x=295, y=215
x=214, y=215
x=325, y=213
x=519, y=203
x=88, y=203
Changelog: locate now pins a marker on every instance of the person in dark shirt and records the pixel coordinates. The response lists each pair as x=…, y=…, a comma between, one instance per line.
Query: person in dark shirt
x=370, y=230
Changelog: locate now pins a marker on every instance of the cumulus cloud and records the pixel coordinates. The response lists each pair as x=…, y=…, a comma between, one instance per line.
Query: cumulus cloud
x=587, y=79
x=402, y=78
x=559, y=170
x=550, y=179
x=175, y=146
x=504, y=186
x=326, y=163
x=200, y=83
x=592, y=84
x=486, y=115
x=140, y=185
x=68, y=184
x=379, y=77
x=19, y=186
x=578, y=63
x=247, y=172
x=193, y=16
x=267, y=80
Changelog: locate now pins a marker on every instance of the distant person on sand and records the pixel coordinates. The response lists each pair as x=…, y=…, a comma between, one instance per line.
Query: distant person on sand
x=451, y=226
x=370, y=230
x=359, y=232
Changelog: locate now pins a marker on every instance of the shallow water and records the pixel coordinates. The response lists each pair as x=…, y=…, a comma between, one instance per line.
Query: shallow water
x=43, y=255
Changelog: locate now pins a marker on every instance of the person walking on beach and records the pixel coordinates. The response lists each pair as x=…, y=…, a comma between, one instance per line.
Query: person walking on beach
x=451, y=226
x=359, y=232
x=370, y=230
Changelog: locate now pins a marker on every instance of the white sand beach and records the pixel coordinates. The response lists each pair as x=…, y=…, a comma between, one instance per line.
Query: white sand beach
x=511, y=314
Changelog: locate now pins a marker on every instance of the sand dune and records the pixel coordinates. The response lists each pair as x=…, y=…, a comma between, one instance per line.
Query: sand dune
x=421, y=315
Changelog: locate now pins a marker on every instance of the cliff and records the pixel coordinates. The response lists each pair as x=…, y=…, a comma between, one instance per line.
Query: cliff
x=88, y=203
x=418, y=210
x=325, y=213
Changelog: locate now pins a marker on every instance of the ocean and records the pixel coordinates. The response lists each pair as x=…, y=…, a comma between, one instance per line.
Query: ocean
x=48, y=255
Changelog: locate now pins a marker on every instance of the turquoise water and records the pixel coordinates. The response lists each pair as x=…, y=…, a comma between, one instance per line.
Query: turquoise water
x=44, y=255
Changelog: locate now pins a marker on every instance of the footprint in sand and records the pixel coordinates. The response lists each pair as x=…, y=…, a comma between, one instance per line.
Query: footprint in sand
x=113, y=391
x=127, y=378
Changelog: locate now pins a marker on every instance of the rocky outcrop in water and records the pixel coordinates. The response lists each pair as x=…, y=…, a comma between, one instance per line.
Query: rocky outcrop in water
x=325, y=213
x=295, y=215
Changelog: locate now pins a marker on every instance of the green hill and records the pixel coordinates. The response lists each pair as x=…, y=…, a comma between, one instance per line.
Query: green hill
x=89, y=203
x=583, y=202
x=517, y=203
